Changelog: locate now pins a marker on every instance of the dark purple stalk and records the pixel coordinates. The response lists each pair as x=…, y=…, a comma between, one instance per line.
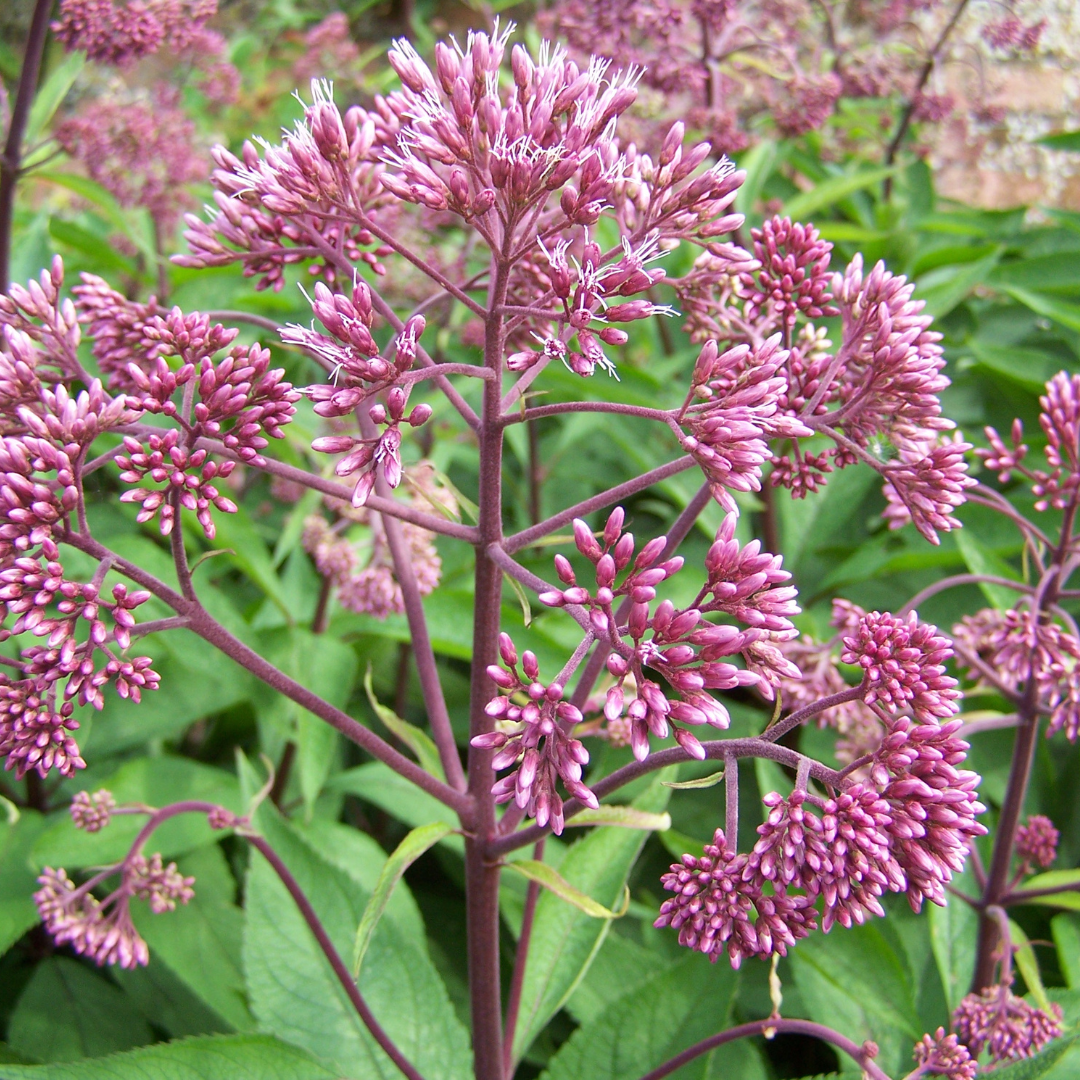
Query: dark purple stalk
x=332, y=955
x=430, y=685
x=640, y=411
x=11, y=161
x=481, y=874
x=769, y=1028
x=920, y=84
x=597, y=502
x=199, y=621
x=997, y=881
x=521, y=957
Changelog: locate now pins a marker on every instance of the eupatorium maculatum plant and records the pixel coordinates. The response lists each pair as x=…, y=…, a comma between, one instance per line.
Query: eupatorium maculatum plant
x=561, y=236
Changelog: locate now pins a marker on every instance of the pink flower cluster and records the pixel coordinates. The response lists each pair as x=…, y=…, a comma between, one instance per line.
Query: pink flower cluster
x=907, y=830
x=119, y=33
x=1004, y=1025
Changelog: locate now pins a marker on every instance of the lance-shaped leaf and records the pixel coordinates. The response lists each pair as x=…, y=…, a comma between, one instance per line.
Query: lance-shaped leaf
x=407, y=852
x=627, y=817
x=551, y=879
x=693, y=785
x=419, y=742
x=1024, y=958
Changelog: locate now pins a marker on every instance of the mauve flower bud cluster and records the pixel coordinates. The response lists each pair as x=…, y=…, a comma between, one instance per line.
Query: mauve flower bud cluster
x=533, y=738
x=906, y=830
x=716, y=909
x=317, y=189
x=881, y=385
x=728, y=434
x=794, y=278
x=681, y=645
x=1037, y=841
x=903, y=665
x=102, y=930
x=1060, y=421
x=1004, y=1025
x=1020, y=646
x=52, y=429
x=142, y=151
x=92, y=812
x=944, y=1055
x=362, y=571
x=119, y=33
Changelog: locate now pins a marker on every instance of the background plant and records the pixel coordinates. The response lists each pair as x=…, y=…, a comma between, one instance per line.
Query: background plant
x=317, y=621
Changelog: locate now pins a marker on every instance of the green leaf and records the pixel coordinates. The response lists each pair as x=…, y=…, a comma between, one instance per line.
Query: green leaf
x=953, y=932
x=229, y=1057
x=404, y=855
x=17, y=877
x=1024, y=956
x=621, y=965
x=1029, y=368
x=857, y=982
x=1063, y=140
x=945, y=288
x=294, y=991
x=829, y=192
x=199, y=942
x=418, y=741
x=701, y=782
x=1058, y=310
x=680, y=1005
x=67, y=1012
x=564, y=940
x=155, y=781
x=1060, y=270
x=165, y=1002
x=89, y=243
x=759, y=162
x=251, y=556
x=106, y=205
x=1066, y=931
x=362, y=858
x=379, y=784
x=1055, y=879
x=679, y=844
x=327, y=667
x=523, y=599
x=623, y=816
x=551, y=879
x=50, y=96
x=980, y=560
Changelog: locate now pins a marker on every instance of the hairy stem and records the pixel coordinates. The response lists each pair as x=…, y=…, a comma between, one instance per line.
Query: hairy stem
x=482, y=874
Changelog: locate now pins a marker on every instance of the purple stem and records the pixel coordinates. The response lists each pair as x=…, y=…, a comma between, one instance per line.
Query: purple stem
x=387, y=506
x=11, y=160
x=521, y=956
x=481, y=873
x=597, y=502
x=776, y=1025
x=1025, y=896
x=426, y=668
x=714, y=751
x=201, y=623
x=538, y=585
x=663, y=415
x=332, y=955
